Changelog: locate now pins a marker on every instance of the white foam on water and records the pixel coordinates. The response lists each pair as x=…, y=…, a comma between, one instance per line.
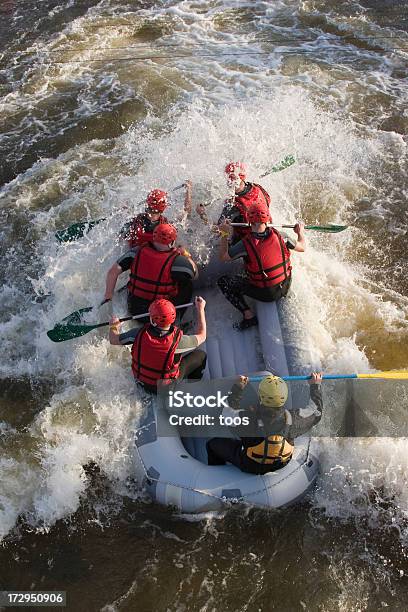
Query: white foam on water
x=18, y=484
x=91, y=420
x=378, y=466
x=74, y=275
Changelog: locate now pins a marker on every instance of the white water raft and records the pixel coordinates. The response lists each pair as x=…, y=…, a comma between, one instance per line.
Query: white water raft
x=175, y=471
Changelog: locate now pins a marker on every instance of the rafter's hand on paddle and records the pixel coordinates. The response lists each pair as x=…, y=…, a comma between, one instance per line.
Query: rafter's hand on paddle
x=316, y=378
x=299, y=229
x=225, y=228
x=243, y=381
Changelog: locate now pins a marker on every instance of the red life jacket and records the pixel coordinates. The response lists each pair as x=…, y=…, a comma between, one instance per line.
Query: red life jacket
x=243, y=203
x=154, y=358
x=138, y=234
x=150, y=274
x=268, y=260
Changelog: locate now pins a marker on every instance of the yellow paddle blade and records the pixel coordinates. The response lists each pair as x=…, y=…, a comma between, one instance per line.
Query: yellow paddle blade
x=392, y=374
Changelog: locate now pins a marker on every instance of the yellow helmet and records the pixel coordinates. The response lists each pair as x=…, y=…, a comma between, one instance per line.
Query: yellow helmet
x=272, y=391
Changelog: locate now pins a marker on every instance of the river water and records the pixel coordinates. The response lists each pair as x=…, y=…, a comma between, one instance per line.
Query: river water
x=100, y=102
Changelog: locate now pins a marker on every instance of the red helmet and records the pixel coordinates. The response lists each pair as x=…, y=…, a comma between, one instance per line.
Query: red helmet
x=157, y=200
x=164, y=233
x=162, y=313
x=236, y=168
x=259, y=213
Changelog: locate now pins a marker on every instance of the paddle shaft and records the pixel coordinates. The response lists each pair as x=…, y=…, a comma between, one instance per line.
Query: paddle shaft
x=282, y=165
x=318, y=228
x=270, y=225
x=140, y=316
x=143, y=201
x=79, y=229
x=389, y=375
x=325, y=376
x=267, y=225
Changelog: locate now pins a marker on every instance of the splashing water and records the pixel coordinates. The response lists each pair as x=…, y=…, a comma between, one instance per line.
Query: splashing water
x=337, y=115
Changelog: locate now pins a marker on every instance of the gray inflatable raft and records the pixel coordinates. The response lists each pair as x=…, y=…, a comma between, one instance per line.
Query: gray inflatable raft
x=175, y=470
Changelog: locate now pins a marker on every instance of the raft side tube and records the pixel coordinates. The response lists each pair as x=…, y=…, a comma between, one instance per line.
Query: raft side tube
x=173, y=477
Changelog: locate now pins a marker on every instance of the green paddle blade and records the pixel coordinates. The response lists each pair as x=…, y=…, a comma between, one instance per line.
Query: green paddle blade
x=76, y=318
x=327, y=228
x=289, y=160
x=60, y=333
x=76, y=230
x=72, y=326
x=282, y=165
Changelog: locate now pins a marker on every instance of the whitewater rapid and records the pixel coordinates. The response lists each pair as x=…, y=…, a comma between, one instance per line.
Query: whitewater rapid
x=193, y=115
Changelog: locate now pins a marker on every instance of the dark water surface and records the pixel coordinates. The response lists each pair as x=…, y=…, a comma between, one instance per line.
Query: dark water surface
x=100, y=102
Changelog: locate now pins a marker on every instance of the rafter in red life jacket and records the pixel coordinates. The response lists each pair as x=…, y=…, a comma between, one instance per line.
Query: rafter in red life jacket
x=138, y=234
x=154, y=357
x=150, y=274
x=268, y=259
x=244, y=202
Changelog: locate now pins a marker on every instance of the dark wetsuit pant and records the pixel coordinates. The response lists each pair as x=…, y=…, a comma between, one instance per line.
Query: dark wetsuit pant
x=137, y=305
x=235, y=288
x=222, y=450
x=192, y=367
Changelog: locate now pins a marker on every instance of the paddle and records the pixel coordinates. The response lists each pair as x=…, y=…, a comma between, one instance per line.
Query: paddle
x=334, y=229
x=318, y=228
x=72, y=326
x=287, y=161
x=77, y=230
x=390, y=375
x=282, y=165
